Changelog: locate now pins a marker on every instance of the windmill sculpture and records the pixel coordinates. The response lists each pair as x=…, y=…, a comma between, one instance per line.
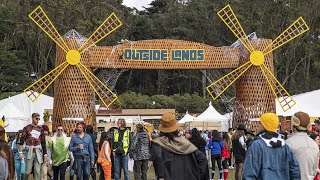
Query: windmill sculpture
x=72, y=61
x=73, y=94
x=255, y=66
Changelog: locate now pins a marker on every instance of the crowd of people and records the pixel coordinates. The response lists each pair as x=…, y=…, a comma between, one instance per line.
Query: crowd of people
x=174, y=154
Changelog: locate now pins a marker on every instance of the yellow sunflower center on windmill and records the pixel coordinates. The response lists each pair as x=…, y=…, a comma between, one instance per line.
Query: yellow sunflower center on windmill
x=257, y=58
x=73, y=57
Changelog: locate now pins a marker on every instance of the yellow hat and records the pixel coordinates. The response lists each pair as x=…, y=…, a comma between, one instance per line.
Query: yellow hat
x=269, y=121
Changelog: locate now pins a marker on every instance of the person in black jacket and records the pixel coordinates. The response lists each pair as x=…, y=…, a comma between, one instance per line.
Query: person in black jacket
x=197, y=140
x=239, y=149
x=174, y=157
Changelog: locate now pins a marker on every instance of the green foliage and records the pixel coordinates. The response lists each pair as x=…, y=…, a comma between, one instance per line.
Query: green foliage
x=182, y=103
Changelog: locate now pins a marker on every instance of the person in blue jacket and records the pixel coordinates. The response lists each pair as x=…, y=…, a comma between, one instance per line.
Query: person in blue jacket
x=216, y=146
x=268, y=156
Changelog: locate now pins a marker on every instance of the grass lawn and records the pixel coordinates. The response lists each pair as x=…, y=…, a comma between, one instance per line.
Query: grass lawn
x=151, y=174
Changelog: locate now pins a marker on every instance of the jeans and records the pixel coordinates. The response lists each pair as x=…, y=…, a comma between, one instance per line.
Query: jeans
x=83, y=165
x=20, y=169
x=140, y=168
x=62, y=169
x=121, y=162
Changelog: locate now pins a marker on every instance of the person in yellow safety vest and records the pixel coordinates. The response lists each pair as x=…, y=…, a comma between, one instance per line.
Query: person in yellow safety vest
x=121, y=144
x=2, y=123
x=104, y=155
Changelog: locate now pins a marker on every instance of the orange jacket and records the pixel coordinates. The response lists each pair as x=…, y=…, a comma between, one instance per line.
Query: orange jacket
x=102, y=157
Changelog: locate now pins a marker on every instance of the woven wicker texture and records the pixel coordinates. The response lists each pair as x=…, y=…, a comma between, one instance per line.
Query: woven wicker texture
x=253, y=92
x=214, y=57
x=73, y=95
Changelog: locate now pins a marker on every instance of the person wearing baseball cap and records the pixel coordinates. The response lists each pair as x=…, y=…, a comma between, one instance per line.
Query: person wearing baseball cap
x=268, y=156
x=174, y=157
x=304, y=148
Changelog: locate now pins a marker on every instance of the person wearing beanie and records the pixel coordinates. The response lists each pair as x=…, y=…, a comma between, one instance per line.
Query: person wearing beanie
x=174, y=157
x=304, y=148
x=268, y=156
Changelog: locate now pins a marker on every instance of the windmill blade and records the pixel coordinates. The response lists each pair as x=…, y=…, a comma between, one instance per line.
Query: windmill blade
x=37, y=88
x=283, y=97
x=41, y=19
x=294, y=30
x=107, y=27
x=218, y=87
x=105, y=94
x=229, y=18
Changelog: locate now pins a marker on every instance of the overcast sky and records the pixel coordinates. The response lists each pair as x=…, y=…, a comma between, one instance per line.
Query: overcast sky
x=137, y=3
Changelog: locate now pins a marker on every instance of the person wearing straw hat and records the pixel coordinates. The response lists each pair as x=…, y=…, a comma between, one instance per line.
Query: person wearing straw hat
x=268, y=156
x=174, y=157
x=304, y=148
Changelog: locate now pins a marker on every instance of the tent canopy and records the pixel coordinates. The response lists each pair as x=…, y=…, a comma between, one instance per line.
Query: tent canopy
x=307, y=102
x=210, y=115
x=15, y=119
x=186, y=118
x=25, y=107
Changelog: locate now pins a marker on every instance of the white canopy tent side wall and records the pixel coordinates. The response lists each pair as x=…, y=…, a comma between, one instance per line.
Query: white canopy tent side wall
x=27, y=107
x=15, y=120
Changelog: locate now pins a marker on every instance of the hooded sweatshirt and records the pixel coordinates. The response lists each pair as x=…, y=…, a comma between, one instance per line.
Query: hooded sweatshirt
x=268, y=157
x=178, y=159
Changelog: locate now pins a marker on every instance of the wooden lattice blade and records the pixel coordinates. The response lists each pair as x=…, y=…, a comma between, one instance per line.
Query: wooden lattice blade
x=283, y=97
x=294, y=30
x=105, y=94
x=37, y=88
x=218, y=87
x=42, y=20
x=107, y=27
x=229, y=18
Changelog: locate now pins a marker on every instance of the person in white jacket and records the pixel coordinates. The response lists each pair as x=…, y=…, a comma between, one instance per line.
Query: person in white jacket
x=304, y=148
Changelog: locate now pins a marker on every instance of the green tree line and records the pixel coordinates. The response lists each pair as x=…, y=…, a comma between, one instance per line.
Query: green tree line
x=25, y=49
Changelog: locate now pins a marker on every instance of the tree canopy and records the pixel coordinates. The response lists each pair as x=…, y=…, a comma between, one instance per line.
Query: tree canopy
x=25, y=49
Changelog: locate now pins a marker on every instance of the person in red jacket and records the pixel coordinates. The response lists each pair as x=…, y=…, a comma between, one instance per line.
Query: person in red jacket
x=225, y=155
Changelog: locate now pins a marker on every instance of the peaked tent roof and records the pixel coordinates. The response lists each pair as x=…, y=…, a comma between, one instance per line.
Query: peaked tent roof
x=186, y=118
x=210, y=115
x=307, y=102
x=27, y=107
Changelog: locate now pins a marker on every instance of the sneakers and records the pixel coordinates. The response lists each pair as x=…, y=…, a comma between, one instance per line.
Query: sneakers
x=231, y=167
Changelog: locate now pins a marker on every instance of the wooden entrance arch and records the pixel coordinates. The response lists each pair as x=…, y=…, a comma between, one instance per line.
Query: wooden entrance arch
x=75, y=85
x=74, y=98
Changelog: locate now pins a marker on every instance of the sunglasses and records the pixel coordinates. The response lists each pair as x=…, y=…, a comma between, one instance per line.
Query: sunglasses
x=37, y=118
x=60, y=129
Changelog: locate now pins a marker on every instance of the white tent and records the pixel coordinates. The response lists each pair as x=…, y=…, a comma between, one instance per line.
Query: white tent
x=210, y=115
x=307, y=102
x=186, y=118
x=26, y=107
x=15, y=119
